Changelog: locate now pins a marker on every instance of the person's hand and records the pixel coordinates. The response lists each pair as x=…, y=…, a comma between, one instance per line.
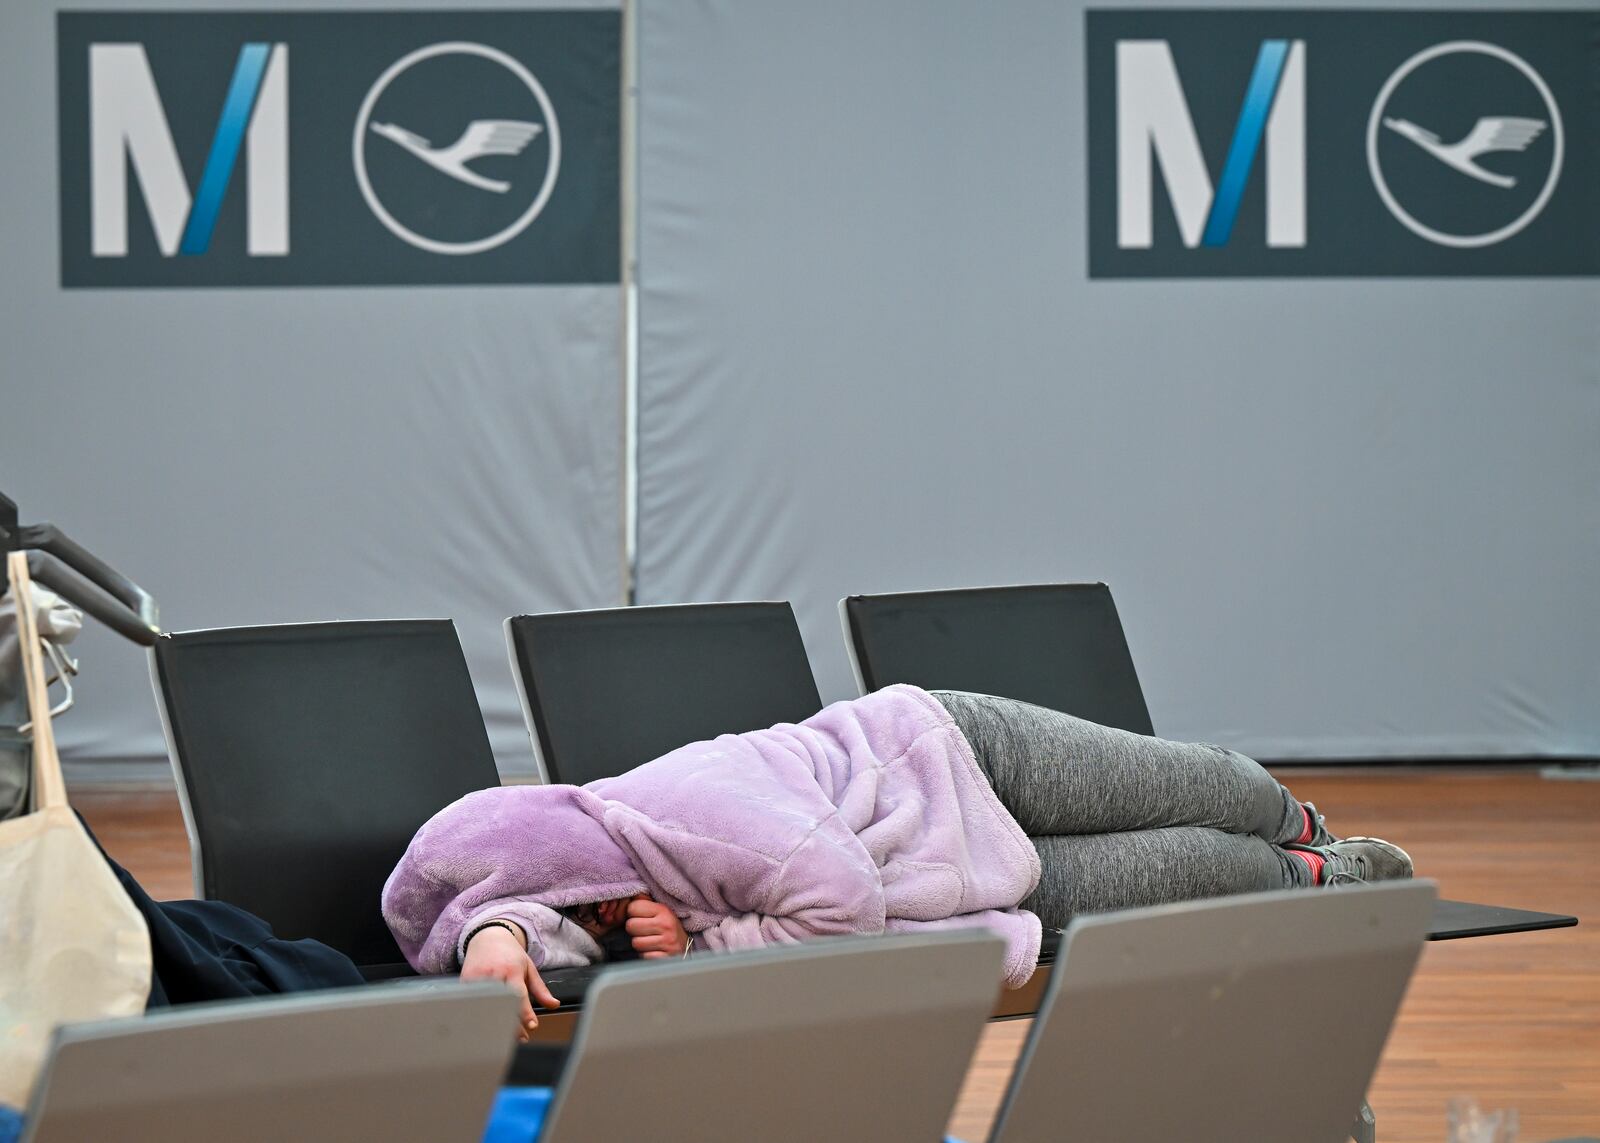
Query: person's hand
x=495, y=954
x=655, y=929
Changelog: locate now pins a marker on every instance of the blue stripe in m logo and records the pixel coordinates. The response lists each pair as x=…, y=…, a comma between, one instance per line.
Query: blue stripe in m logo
x=236, y=108
x=1247, y=132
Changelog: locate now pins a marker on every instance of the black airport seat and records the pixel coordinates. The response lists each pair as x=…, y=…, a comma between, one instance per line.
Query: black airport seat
x=307, y=757
x=605, y=691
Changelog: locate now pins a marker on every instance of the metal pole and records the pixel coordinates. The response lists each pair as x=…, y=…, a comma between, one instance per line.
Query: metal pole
x=630, y=302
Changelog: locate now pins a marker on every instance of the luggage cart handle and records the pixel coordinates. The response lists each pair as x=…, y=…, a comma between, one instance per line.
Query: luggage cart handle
x=52, y=558
x=137, y=622
x=79, y=576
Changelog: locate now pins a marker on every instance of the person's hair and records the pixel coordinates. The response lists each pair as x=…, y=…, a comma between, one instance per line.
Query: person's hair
x=618, y=945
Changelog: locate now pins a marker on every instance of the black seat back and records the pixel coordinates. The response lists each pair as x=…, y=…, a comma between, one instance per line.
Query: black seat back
x=1056, y=645
x=605, y=691
x=309, y=754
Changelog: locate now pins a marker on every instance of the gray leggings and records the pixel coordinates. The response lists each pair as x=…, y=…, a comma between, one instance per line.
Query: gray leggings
x=1122, y=819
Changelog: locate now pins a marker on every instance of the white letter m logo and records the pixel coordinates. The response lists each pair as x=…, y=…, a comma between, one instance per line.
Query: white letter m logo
x=128, y=127
x=1153, y=122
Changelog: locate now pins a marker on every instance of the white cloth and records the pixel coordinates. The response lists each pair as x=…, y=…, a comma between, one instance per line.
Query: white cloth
x=58, y=622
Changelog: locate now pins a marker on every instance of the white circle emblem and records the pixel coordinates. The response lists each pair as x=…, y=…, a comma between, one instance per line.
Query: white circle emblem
x=476, y=246
x=1373, y=121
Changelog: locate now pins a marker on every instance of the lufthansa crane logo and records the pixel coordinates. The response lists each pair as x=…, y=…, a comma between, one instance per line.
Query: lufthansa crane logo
x=464, y=144
x=1502, y=167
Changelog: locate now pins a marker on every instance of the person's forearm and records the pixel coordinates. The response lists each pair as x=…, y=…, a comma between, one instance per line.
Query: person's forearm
x=512, y=911
x=505, y=925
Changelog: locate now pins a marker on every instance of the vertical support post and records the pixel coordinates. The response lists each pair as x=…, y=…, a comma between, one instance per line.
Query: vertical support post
x=630, y=301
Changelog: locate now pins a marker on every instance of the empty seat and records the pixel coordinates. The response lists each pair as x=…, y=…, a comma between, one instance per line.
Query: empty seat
x=404, y=1063
x=1190, y=1021
x=605, y=691
x=840, y=1040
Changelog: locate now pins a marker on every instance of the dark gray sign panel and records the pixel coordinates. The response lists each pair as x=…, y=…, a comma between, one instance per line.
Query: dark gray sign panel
x=1323, y=143
x=339, y=148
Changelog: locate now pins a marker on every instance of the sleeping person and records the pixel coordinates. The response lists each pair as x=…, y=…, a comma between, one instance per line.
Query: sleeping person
x=902, y=810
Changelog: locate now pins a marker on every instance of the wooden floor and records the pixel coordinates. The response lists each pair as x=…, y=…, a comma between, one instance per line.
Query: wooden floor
x=1513, y=1021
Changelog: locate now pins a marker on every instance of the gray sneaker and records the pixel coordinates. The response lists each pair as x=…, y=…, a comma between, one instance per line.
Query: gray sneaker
x=1362, y=859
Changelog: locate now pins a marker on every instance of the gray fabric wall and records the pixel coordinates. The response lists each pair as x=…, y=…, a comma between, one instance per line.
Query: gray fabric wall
x=267, y=455
x=1341, y=518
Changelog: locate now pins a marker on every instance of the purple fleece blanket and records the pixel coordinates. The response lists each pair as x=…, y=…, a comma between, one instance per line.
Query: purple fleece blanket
x=871, y=816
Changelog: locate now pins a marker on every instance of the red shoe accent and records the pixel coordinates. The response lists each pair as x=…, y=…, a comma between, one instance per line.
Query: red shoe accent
x=1310, y=830
x=1314, y=860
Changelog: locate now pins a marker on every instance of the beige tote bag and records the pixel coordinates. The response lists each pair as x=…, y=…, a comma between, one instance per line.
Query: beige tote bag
x=72, y=945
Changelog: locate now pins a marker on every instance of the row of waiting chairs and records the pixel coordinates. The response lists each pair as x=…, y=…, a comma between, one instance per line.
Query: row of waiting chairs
x=1184, y=1022
x=309, y=754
